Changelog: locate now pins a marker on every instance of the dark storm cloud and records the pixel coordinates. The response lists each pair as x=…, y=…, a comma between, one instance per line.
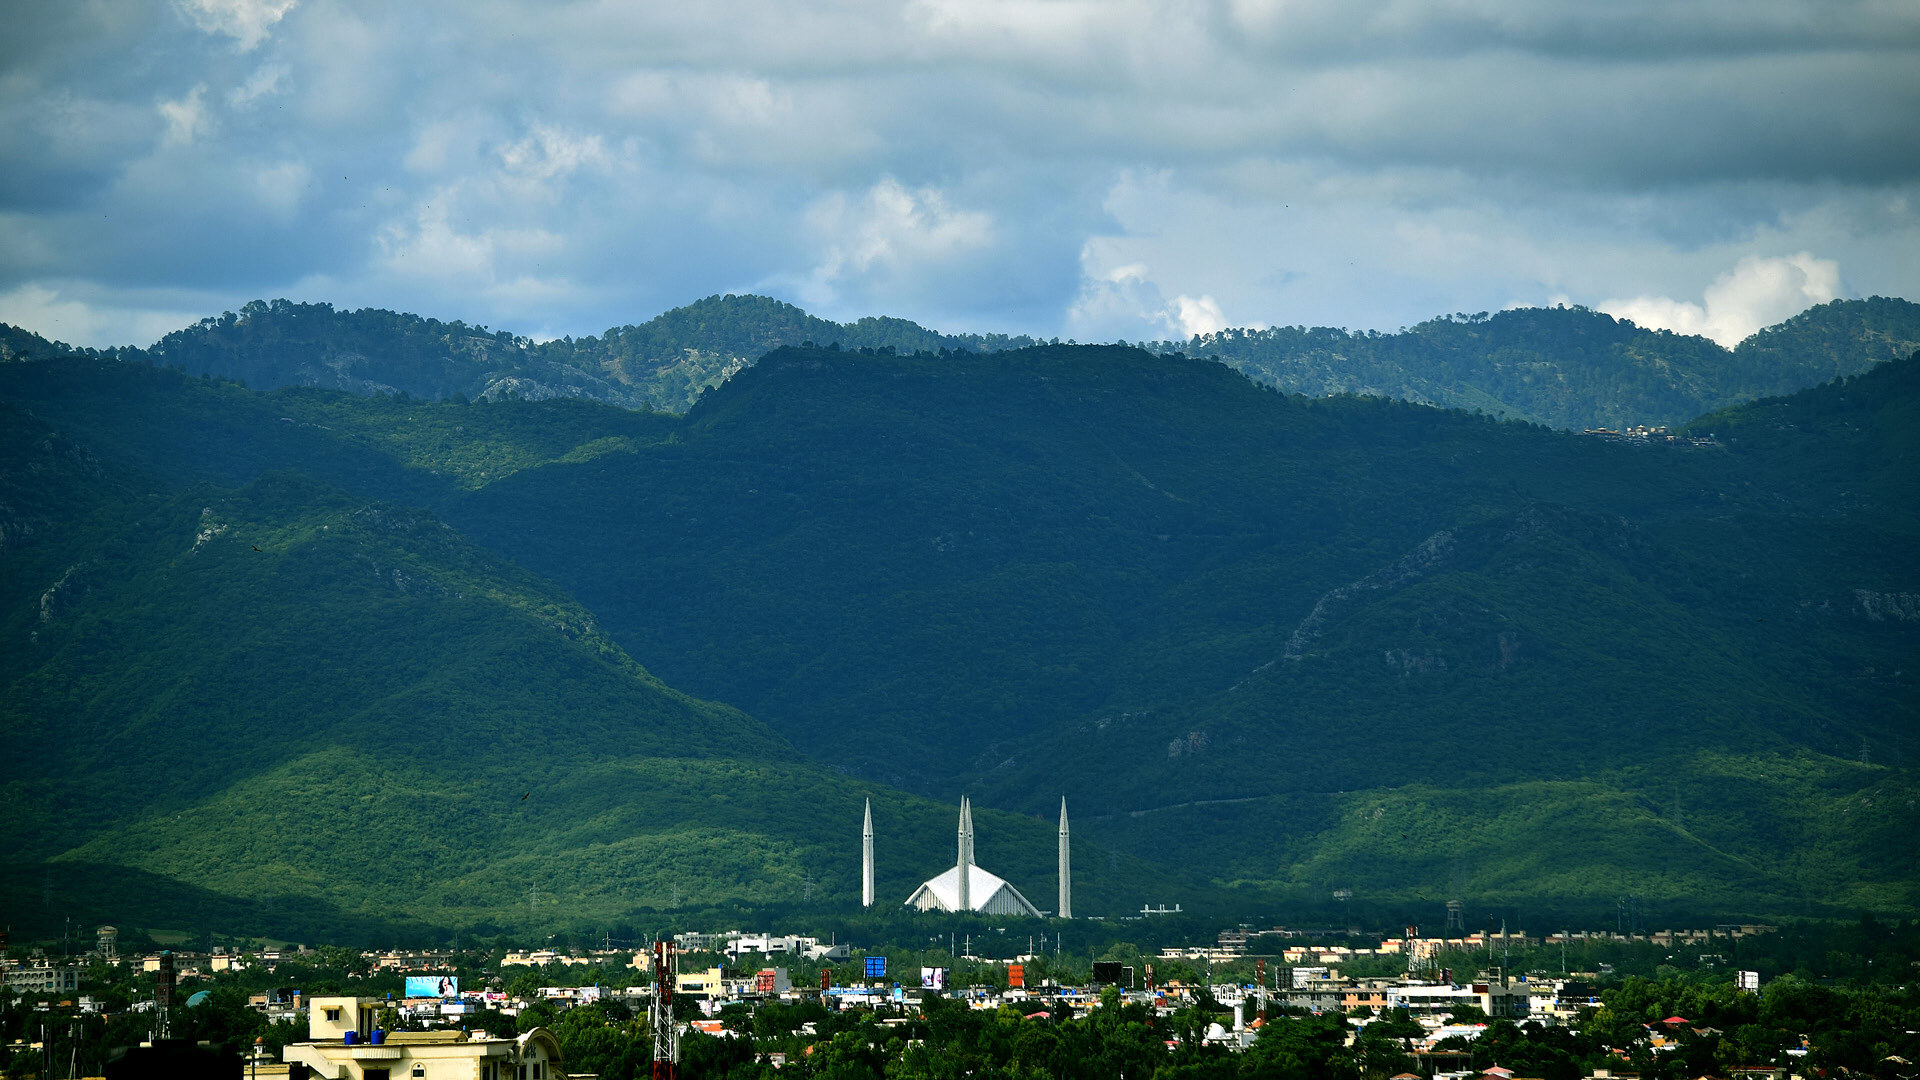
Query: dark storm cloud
x=1112, y=168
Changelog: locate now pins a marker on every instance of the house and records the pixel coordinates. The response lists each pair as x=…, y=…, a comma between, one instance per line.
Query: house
x=343, y=1044
x=43, y=977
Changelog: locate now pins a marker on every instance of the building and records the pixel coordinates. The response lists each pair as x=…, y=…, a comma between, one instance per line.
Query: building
x=968, y=887
x=42, y=977
x=343, y=1045
x=1495, y=998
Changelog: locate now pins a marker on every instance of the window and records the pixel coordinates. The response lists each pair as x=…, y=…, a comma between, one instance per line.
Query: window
x=375, y=1074
x=419, y=1069
x=333, y=1016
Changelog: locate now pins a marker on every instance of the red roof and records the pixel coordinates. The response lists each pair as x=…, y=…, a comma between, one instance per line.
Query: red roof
x=1676, y=1020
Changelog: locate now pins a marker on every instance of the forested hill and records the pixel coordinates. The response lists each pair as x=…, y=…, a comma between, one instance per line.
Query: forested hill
x=1564, y=367
x=1283, y=644
x=1571, y=367
x=1154, y=584
x=246, y=681
x=665, y=363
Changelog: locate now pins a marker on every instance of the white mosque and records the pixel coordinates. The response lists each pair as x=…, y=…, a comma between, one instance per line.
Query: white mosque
x=967, y=886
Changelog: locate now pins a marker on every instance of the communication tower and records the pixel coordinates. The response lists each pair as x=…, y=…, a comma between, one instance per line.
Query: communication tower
x=163, y=984
x=666, y=1038
x=1456, y=918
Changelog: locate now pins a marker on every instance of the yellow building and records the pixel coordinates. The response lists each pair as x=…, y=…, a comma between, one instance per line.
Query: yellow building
x=710, y=983
x=343, y=1045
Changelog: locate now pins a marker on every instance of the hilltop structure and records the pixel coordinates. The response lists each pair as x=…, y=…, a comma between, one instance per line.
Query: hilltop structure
x=866, y=859
x=968, y=887
x=1065, y=910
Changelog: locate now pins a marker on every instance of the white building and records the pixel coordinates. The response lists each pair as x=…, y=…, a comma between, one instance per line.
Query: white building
x=42, y=977
x=341, y=1046
x=967, y=887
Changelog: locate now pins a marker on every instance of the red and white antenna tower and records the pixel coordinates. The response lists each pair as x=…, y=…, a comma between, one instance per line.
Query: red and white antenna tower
x=666, y=1039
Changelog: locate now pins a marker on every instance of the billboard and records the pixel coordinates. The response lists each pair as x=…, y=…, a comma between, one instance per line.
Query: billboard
x=433, y=986
x=1748, y=981
x=1108, y=972
x=1016, y=976
x=933, y=978
x=876, y=967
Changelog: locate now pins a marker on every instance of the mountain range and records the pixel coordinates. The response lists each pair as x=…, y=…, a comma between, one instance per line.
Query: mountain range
x=417, y=632
x=1564, y=367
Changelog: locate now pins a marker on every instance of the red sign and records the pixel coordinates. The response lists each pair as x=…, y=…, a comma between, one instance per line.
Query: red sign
x=1016, y=975
x=826, y=978
x=763, y=982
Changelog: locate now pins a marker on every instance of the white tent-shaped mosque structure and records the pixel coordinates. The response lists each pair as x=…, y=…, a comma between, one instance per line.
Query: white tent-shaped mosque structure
x=967, y=887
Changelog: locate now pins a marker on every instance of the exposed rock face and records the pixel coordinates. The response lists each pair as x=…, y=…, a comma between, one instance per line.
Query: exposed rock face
x=1194, y=742
x=59, y=599
x=1881, y=607
x=1411, y=567
x=1416, y=661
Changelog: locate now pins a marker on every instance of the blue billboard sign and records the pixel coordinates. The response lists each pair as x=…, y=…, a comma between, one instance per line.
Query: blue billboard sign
x=876, y=967
x=433, y=986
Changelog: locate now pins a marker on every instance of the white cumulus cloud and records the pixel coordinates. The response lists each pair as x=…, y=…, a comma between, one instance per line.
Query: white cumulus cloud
x=891, y=227
x=247, y=22
x=1197, y=315
x=1756, y=293
x=1124, y=302
x=187, y=117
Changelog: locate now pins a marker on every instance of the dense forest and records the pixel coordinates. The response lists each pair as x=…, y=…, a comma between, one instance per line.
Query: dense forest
x=529, y=662
x=1564, y=367
x=1571, y=367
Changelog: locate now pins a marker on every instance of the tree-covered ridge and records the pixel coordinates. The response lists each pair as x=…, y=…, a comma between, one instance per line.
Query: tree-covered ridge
x=318, y=708
x=1194, y=604
x=691, y=349
x=665, y=363
x=1190, y=588
x=1571, y=367
x=1565, y=367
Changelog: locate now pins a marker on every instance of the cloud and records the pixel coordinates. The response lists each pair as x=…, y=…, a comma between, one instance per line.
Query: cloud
x=1756, y=293
x=93, y=321
x=186, y=117
x=1197, y=315
x=248, y=22
x=986, y=164
x=265, y=80
x=1123, y=303
x=890, y=229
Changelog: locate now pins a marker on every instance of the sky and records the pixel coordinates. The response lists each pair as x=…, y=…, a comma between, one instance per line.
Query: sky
x=1087, y=170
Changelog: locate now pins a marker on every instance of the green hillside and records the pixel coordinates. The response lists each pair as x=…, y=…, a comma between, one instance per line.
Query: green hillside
x=664, y=363
x=286, y=706
x=1148, y=582
x=1570, y=367
x=1564, y=367
x=324, y=643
